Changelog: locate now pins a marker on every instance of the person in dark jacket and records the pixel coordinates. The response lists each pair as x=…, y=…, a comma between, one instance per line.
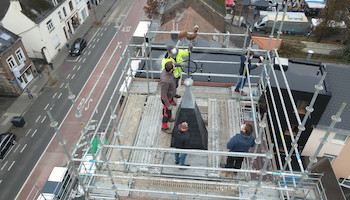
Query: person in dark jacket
x=243, y=70
x=167, y=92
x=240, y=143
x=181, y=141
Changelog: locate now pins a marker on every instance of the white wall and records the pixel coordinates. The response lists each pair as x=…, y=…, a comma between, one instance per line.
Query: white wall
x=330, y=147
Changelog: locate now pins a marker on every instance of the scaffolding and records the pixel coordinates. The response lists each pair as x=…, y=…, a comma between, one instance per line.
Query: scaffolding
x=122, y=173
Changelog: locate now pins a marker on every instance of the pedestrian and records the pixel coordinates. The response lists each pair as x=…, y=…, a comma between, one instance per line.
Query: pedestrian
x=239, y=143
x=181, y=141
x=176, y=56
x=67, y=45
x=167, y=92
x=255, y=13
x=242, y=70
x=29, y=94
x=51, y=65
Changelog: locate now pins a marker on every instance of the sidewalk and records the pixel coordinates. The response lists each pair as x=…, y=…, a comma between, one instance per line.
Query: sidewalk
x=21, y=103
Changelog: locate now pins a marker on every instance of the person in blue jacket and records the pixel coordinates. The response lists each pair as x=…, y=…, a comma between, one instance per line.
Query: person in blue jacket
x=242, y=70
x=240, y=143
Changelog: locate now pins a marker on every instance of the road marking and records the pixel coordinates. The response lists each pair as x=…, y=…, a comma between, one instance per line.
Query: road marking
x=84, y=59
x=34, y=132
x=74, y=67
x=4, y=165
x=106, y=29
x=52, y=106
x=94, y=40
x=16, y=148
x=89, y=46
x=101, y=34
x=79, y=67
x=28, y=132
x=73, y=76
x=98, y=39
x=68, y=76
x=43, y=119
x=37, y=119
x=66, y=85
x=0, y=181
x=47, y=105
x=84, y=53
x=94, y=35
x=13, y=162
x=89, y=52
x=81, y=58
x=59, y=96
x=23, y=148
x=73, y=60
x=93, y=46
x=54, y=95
x=62, y=85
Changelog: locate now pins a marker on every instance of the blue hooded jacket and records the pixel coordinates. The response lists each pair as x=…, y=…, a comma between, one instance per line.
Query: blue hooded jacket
x=241, y=143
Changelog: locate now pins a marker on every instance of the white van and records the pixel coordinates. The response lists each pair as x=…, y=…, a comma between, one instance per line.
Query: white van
x=56, y=186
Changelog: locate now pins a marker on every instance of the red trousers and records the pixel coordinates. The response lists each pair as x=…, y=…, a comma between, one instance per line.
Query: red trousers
x=166, y=113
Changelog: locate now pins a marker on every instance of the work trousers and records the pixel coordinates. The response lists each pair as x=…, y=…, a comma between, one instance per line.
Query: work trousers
x=166, y=113
x=234, y=162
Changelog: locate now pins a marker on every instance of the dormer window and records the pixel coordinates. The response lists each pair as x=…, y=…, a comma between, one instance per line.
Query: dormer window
x=54, y=2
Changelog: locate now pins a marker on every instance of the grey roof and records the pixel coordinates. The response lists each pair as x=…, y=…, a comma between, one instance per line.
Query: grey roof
x=338, y=82
x=7, y=40
x=37, y=10
x=4, y=5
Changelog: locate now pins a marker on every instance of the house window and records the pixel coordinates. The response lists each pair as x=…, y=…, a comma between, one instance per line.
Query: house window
x=49, y=25
x=55, y=41
x=59, y=14
x=11, y=62
x=301, y=106
x=70, y=5
x=294, y=129
x=64, y=12
x=340, y=137
x=330, y=157
x=20, y=56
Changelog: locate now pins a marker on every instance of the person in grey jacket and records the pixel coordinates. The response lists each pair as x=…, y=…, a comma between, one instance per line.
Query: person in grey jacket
x=240, y=143
x=167, y=92
x=181, y=141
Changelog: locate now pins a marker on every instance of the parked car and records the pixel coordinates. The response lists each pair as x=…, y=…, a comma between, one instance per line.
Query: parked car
x=77, y=47
x=6, y=141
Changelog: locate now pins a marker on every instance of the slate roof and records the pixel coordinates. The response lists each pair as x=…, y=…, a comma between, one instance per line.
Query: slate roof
x=7, y=40
x=4, y=5
x=37, y=10
x=338, y=82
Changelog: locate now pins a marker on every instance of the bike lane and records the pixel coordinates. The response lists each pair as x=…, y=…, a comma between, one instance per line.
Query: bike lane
x=70, y=128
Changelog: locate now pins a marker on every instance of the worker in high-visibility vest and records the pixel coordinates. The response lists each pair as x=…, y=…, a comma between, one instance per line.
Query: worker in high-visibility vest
x=176, y=56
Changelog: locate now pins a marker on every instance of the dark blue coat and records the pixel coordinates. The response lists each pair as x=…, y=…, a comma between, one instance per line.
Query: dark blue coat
x=250, y=66
x=181, y=139
x=241, y=143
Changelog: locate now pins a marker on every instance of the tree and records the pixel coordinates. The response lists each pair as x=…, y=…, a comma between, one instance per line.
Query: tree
x=152, y=8
x=337, y=11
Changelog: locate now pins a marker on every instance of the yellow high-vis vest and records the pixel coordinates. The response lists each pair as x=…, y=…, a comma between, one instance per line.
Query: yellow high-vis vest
x=179, y=59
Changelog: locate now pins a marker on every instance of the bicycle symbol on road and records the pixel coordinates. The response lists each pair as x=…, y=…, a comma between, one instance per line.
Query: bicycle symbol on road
x=83, y=104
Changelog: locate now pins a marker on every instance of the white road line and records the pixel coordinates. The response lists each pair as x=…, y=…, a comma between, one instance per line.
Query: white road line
x=68, y=76
x=105, y=28
x=23, y=148
x=94, y=35
x=13, y=162
x=89, y=46
x=79, y=67
x=47, y=105
x=37, y=119
x=102, y=33
x=28, y=132
x=52, y=106
x=34, y=132
x=66, y=85
x=84, y=59
x=16, y=148
x=84, y=53
x=43, y=119
x=94, y=40
x=73, y=76
x=89, y=52
x=0, y=181
x=62, y=85
x=54, y=95
x=59, y=96
x=74, y=67
x=98, y=39
x=4, y=165
x=81, y=58
x=93, y=46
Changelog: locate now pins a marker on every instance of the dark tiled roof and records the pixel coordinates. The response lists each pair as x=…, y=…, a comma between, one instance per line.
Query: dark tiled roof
x=339, y=82
x=4, y=5
x=37, y=10
x=7, y=40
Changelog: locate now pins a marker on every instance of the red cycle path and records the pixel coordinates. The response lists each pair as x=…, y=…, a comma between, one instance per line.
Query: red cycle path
x=71, y=129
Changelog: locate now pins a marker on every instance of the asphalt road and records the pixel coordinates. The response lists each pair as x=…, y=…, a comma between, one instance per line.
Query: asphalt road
x=75, y=71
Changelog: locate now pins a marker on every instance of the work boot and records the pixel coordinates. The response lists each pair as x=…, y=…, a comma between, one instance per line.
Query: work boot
x=184, y=168
x=243, y=94
x=177, y=96
x=167, y=131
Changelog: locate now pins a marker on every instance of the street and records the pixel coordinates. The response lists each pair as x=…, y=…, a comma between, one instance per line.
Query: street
x=88, y=76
